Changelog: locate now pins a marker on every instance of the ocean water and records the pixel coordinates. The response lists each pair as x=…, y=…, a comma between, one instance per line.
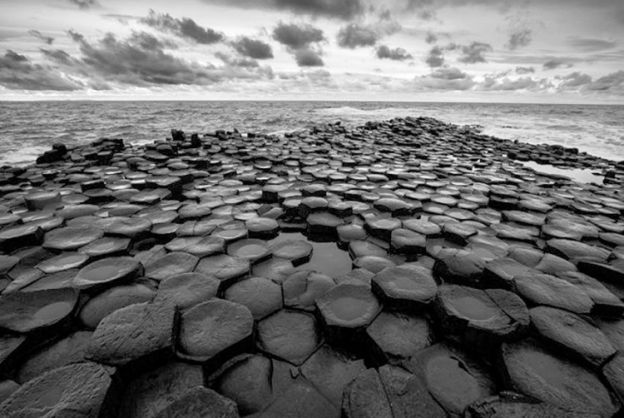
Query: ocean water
x=29, y=128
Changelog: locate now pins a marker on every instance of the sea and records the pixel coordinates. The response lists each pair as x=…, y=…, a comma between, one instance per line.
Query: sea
x=29, y=128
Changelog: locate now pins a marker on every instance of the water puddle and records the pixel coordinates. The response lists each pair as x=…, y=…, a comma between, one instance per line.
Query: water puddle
x=326, y=258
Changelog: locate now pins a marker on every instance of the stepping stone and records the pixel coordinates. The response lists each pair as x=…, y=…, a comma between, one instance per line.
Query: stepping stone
x=552, y=264
x=525, y=218
x=365, y=397
x=458, y=232
x=302, y=289
x=7, y=387
x=407, y=394
x=536, y=372
x=382, y=227
x=289, y=335
x=172, y=264
x=66, y=351
x=477, y=319
x=60, y=280
x=133, y=334
x=206, y=246
x=253, y=250
x=573, y=334
x=461, y=267
x=330, y=372
x=501, y=272
x=264, y=228
x=575, y=250
x=107, y=271
x=311, y=204
x=396, y=207
x=11, y=350
x=225, y=268
x=26, y=312
x=106, y=247
x=42, y=200
x=74, y=390
x=210, y=331
x=408, y=286
x=252, y=381
x=128, y=227
x=406, y=241
x=62, y=262
x=604, y=272
x=296, y=251
x=302, y=401
x=278, y=269
x=373, y=263
x=346, y=309
x=398, y=336
x=148, y=393
x=199, y=402
x=187, y=289
x=510, y=404
x=111, y=300
x=20, y=236
x=323, y=225
x=230, y=235
x=453, y=379
x=71, y=237
x=351, y=232
x=544, y=289
x=423, y=227
x=614, y=373
x=605, y=302
x=359, y=249
x=261, y=296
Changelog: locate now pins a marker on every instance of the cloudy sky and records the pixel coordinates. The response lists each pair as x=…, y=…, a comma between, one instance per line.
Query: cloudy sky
x=458, y=50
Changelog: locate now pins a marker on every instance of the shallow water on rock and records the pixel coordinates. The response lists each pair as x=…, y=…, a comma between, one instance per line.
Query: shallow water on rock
x=326, y=258
x=581, y=175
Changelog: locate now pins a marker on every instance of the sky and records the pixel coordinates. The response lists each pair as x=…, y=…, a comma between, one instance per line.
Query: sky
x=539, y=51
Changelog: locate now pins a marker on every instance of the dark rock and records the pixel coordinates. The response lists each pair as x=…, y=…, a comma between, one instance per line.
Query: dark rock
x=513, y=405
x=172, y=264
x=187, y=289
x=289, y=335
x=107, y=271
x=461, y=267
x=113, y=299
x=261, y=296
x=71, y=237
x=225, y=268
x=25, y=312
x=408, y=286
x=544, y=289
x=398, y=336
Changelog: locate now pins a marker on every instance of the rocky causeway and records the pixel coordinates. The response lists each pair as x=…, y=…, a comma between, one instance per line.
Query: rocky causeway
x=403, y=268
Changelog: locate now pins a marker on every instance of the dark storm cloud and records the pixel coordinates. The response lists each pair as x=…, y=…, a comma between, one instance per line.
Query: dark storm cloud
x=524, y=70
x=47, y=39
x=591, y=44
x=253, y=48
x=84, y=4
x=395, y=54
x=519, y=39
x=141, y=60
x=17, y=72
x=297, y=36
x=308, y=58
x=554, y=63
x=473, y=53
x=355, y=35
x=339, y=9
x=184, y=28
x=435, y=57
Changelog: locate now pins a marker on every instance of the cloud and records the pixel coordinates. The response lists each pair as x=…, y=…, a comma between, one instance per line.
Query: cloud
x=237, y=61
x=308, y=58
x=253, y=48
x=338, y=9
x=524, y=70
x=47, y=39
x=445, y=78
x=520, y=39
x=613, y=83
x=141, y=60
x=590, y=44
x=17, y=72
x=297, y=36
x=511, y=84
x=85, y=4
x=449, y=73
x=354, y=35
x=184, y=28
x=431, y=38
x=395, y=54
x=554, y=63
x=435, y=57
x=575, y=79
x=473, y=53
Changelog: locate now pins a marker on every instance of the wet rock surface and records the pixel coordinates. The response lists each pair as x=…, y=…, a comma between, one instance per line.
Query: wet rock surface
x=396, y=269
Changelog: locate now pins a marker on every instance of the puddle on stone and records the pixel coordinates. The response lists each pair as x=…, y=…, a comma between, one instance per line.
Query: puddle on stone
x=326, y=258
x=580, y=175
